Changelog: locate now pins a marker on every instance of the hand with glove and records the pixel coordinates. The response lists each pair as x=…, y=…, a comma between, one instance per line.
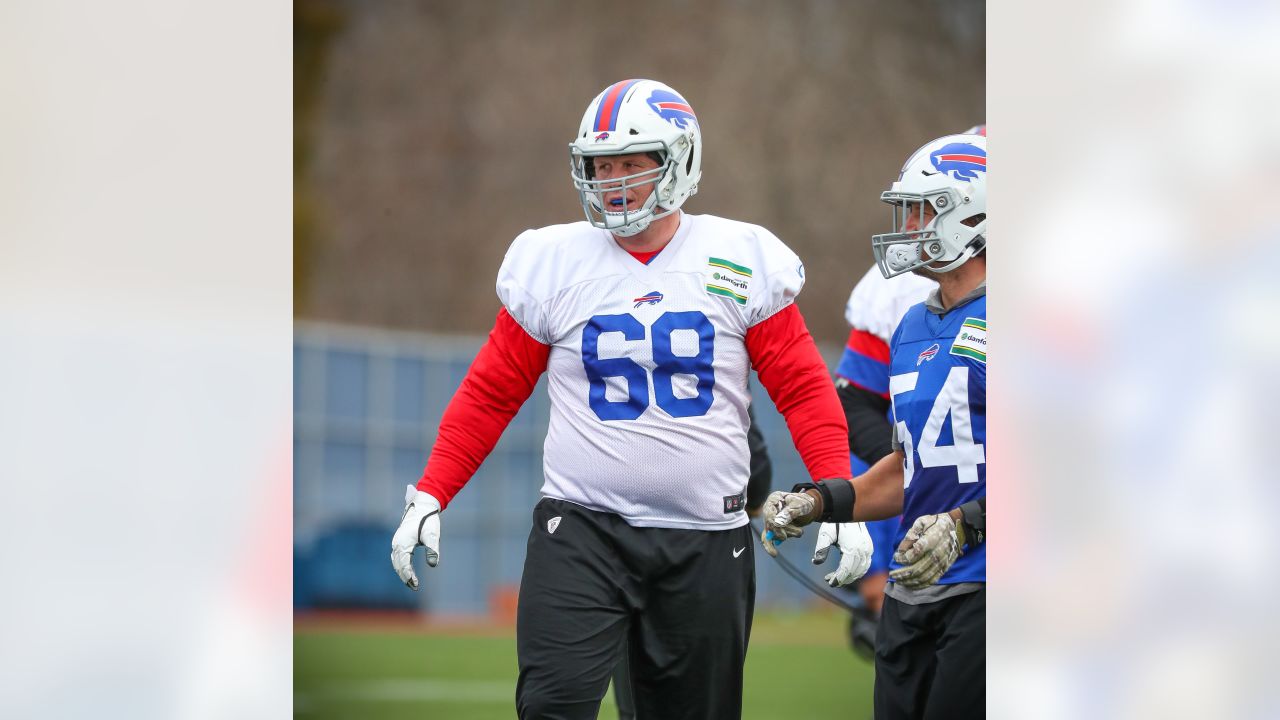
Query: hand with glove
x=420, y=525
x=931, y=546
x=784, y=514
x=855, y=551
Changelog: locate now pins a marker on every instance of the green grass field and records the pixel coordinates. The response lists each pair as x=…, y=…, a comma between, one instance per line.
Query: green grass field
x=385, y=672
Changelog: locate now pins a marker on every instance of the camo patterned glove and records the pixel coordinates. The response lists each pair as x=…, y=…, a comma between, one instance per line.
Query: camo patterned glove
x=931, y=546
x=784, y=514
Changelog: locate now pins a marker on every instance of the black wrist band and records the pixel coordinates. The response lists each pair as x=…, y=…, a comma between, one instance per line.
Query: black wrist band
x=973, y=515
x=837, y=499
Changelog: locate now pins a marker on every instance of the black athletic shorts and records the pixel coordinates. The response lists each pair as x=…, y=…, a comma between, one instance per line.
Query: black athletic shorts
x=931, y=659
x=683, y=600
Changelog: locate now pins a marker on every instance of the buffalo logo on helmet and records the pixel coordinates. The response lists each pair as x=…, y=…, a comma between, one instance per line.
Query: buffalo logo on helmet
x=961, y=161
x=672, y=108
x=602, y=137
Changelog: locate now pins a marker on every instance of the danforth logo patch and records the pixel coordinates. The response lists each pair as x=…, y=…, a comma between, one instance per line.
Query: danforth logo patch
x=728, y=279
x=971, y=341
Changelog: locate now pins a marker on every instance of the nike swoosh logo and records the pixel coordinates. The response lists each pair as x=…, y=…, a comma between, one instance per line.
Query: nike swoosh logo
x=738, y=552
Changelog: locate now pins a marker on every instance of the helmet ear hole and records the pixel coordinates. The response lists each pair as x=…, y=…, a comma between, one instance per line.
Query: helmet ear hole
x=973, y=221
x=688, y=164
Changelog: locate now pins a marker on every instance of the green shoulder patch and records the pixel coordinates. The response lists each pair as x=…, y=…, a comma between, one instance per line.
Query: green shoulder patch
x=971, y=342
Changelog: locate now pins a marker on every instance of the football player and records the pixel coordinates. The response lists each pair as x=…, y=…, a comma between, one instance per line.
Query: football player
x=873, y=311
x=646, y=321
x=931, y=647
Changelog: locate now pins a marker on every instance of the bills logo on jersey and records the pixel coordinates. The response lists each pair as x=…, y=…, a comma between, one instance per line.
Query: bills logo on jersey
x=602, y=137
x=652, y=298
x=961, y=161
x=927, y=354
x=672, y=108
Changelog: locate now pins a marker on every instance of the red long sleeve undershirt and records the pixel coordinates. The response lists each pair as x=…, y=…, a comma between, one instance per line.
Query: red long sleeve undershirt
x=498, y=382
x=792, y=371
x=507, y=368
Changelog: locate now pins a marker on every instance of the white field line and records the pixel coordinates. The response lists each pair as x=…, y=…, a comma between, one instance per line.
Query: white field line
x=417, y=690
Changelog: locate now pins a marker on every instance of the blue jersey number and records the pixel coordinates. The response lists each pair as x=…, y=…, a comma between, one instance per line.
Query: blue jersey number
x=667, y=365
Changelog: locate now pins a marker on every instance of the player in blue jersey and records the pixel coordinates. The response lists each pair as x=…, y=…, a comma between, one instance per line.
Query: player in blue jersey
x=874, y=309
x=931, y=648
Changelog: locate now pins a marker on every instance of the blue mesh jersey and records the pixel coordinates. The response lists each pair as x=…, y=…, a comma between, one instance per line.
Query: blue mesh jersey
x=938, y=387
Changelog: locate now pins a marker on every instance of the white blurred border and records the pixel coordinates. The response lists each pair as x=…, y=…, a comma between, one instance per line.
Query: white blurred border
x=145, y=249
x=145, y=312
x=1133, y=278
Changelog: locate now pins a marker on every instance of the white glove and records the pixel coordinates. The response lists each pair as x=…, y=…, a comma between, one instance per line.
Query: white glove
x=855, y=551
x=926, y=553
x=781, y=511
x=420, y=525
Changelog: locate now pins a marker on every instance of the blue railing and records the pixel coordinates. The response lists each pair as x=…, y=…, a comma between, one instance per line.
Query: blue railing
x=366, y=406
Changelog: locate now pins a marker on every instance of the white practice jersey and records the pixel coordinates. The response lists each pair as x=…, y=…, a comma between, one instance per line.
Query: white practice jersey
x=648, y=367
x=877, y=303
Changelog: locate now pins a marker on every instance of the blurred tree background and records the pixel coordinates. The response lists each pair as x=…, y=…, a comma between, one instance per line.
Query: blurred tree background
x=428, y=134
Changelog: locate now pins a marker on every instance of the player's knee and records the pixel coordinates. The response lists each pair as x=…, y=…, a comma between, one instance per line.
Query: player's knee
x=533, y=705
x=547, y=703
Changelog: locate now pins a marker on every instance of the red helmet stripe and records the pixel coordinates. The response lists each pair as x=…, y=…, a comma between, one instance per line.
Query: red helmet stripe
x=607, y=113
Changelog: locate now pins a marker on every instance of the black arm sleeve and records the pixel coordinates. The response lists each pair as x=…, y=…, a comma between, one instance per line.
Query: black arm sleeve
x=866, y=414
x=761, y=466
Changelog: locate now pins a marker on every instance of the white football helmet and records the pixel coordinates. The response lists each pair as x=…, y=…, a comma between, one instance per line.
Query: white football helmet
x=637, y=116
x=950, y=174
